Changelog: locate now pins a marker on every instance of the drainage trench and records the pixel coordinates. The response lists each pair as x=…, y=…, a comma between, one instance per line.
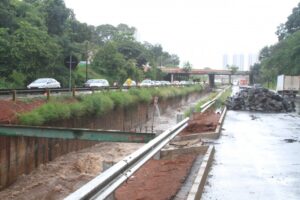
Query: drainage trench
x=22, y=155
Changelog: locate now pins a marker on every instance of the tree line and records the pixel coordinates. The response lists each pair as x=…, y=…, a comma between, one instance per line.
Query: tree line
x=36, y=36
x=282, y=57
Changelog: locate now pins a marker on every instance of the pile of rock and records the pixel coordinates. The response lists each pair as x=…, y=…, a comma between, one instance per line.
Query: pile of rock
x=259, y=99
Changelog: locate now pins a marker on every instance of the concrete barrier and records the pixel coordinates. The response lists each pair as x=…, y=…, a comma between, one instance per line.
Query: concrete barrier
x=200, y=180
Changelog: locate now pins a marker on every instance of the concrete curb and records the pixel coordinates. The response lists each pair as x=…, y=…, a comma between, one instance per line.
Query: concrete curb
x=199, y=182
x=175, y=151
x=206, y=135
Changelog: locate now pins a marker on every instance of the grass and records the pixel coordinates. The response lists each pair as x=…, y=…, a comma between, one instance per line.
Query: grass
x=197, y=107
x=98, y=104
x=220, y=102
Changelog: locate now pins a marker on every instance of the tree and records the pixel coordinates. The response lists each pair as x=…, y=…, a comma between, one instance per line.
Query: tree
x=233, y=68
x=56, y=16
x=109, y=62
x=7, y=14
x=34, y=52
x=187, y=67
x=291, y=25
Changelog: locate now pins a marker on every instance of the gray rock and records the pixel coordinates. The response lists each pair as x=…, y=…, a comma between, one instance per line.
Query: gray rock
x=259, y=99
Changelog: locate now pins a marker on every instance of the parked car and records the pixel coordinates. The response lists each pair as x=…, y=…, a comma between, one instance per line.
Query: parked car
x=92, y=83
x=146, y=82
x=44, y=83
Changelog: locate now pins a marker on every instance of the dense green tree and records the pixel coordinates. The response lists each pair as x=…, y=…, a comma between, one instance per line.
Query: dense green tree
x=56, y=15
x=7, y=14
x=110, y=62
x=34, y=52
x=36, y=36
x=291, y=25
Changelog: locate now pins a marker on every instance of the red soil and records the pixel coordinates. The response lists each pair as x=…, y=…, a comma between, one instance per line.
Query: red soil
x=10, y=109
x=202, y=122
x=157, y=179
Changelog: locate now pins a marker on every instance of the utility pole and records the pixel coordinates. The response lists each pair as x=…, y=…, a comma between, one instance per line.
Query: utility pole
x=86, y=61
x=70, y=70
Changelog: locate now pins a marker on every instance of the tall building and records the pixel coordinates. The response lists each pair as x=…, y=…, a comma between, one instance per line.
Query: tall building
x=252, y=59
x=225, y=61
x=241, y=62
x=238, y=60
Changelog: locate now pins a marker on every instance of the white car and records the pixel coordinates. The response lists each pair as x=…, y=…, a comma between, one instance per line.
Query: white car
x=92, y=83
x=44, y=83
x=146, y=82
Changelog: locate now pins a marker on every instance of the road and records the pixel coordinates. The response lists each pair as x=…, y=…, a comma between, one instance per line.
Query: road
x=257, y=157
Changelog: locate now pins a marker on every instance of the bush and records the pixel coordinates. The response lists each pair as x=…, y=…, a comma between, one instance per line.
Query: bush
x=143, y=95
x=98, y=104
x=32, y=118
x=122, y=99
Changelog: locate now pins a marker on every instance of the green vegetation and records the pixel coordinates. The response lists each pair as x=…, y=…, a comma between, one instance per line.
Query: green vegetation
x=37, y=35
x=197, y=107
x=220, y=102
x=282, y=57
x=98, y=104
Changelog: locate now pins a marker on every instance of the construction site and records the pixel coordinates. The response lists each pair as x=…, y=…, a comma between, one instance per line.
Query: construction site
x=186, y=147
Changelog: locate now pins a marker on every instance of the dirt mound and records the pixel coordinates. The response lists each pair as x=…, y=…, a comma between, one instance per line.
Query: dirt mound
x=10, y=109
x=202, y=122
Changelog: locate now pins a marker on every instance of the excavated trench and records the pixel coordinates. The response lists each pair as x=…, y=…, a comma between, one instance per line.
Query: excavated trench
x=67, y=173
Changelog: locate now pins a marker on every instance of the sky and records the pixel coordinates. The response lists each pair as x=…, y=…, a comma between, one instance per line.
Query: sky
x=198, y=31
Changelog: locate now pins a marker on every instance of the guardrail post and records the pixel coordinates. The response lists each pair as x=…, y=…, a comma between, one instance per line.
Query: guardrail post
x=73, y=92
x=14, y=95
x=48, y=94
x=106, y=165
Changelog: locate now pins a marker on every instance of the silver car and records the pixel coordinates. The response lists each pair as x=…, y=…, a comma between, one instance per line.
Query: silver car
x=92, y=83
x=44, y=83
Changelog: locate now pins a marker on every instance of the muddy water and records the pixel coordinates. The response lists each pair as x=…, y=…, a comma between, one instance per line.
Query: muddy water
x=257, y=157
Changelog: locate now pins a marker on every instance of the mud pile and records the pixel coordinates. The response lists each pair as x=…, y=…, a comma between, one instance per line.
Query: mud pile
x=259, y=99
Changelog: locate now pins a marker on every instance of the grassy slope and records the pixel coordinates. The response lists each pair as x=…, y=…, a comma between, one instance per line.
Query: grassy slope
x=99, y=103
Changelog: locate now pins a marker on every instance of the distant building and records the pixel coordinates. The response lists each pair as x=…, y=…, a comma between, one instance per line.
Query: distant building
x=238, y=60
x=252, y=59
x=225, y=61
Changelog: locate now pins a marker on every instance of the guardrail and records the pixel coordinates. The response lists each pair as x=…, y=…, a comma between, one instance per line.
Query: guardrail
x=48, y=91
x=208, y=104
x=107, y=182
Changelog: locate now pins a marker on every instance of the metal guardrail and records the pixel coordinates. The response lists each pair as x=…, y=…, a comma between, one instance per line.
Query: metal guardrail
x=208, y=104
x=107, y=182
x=47, y=91
x=77, y=89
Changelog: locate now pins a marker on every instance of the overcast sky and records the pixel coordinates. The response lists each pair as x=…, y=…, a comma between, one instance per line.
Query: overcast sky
x=198, y=31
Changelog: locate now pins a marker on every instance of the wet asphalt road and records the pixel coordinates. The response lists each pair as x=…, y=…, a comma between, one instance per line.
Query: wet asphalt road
x=257, y=157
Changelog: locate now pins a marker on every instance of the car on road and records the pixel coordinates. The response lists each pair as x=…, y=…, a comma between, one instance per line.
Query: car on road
x=146, y=82
x=96, y=83
x=44, y=83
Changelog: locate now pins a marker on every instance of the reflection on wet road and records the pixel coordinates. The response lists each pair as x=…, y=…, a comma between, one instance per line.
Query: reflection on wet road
x=257, y=157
